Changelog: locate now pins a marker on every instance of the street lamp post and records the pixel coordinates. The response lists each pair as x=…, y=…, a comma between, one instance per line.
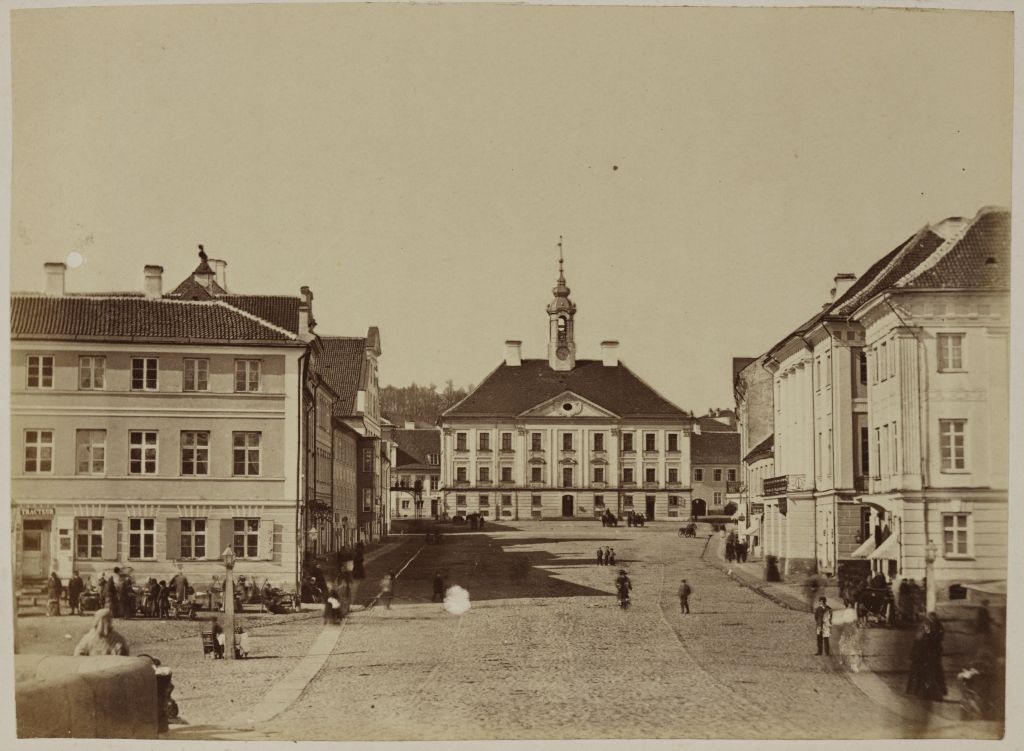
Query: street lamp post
x=931, y=552
x=229, y=603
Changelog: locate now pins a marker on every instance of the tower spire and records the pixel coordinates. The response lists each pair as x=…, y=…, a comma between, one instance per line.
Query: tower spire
x=562, y=343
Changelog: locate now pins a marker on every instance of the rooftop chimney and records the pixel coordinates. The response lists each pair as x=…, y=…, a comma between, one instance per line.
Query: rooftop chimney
x=842, y=282
x=513, y=353
x=306, y=321
x=55, y=277
x=153, y=281
x=610, y=353
x=219, y=272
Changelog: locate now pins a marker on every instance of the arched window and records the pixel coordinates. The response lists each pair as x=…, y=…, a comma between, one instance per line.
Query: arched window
x=561, y=328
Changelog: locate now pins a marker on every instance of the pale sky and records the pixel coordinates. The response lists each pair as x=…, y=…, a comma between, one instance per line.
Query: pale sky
x=415, y=165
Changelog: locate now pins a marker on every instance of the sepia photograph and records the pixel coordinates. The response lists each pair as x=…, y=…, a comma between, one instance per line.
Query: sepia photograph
x=482, y=372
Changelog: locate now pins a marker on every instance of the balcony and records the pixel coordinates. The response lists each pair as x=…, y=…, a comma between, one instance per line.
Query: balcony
x=777, y=486
x=734, y=486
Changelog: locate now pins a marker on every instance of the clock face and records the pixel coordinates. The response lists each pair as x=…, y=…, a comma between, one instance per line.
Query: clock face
x=562, y=353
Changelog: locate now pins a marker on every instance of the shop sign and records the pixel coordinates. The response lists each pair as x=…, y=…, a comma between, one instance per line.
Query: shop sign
x=756, y=508
x=783, y=505
x=46, y=511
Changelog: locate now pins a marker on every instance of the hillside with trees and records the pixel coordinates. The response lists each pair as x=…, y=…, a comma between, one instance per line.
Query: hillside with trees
x=419, y=404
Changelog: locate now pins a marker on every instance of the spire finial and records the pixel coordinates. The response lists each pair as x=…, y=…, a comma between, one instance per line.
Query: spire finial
x=561, y=260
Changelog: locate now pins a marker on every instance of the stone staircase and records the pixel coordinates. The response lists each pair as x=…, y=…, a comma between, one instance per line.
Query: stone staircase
x=32, y=596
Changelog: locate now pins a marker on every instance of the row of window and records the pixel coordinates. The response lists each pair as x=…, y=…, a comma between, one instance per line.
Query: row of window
x=407, y=481
x=536, y=501
x=245, y=539
x=598, y=474
x=949, y=350
x=143, y=452
x=144, y=373
x=568, y=442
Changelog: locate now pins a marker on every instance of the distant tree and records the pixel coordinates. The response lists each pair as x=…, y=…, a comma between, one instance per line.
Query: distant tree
x=730, y=508
x=420, y=404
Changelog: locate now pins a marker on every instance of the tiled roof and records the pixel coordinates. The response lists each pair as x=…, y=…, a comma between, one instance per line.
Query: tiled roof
x=280, y=310
x=887, y=271
x=715, y=448
x=190, y=289
x=512, y=390
x=136, y=319
x=979, y=259
x=414, y=445
x=711, y=425
x=761, y=451
x=928, y=259
x=341, y=365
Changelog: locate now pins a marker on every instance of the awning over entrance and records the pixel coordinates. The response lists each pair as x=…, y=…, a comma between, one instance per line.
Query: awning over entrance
x=888, y=550
x=988, y=588
x=865, y=548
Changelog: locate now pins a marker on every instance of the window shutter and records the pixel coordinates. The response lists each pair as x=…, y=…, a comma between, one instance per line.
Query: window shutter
x=173, y=539
x=266, y=539
x=227, y=537
x=111, y=537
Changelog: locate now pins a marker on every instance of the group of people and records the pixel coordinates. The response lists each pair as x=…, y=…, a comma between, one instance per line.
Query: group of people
x=605, y=556
x=634, y=519
x=116, y=593
x=735, y=549
x=874, y=596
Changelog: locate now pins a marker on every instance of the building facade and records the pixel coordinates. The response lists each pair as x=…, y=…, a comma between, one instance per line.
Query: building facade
x=416, y=472
x=153, y=431
x=564, y=437
x=715, y=464
x=890, y=414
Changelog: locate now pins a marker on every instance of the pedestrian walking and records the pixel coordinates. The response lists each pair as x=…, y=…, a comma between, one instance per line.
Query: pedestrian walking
x=102, y=639
x=600, y=556
x=332, y=608
x=438, y=594
x=684, y=597
x=75, y=588
x=611, y=556
x=54, y=590
x=623, y=586
x=387, y=589
x=934, y=676
x=823, y=625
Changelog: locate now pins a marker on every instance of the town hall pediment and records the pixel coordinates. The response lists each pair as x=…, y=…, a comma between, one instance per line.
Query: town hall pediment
x=567, y=405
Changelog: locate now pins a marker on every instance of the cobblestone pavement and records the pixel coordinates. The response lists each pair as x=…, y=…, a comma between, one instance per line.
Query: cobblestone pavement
x=545, y=652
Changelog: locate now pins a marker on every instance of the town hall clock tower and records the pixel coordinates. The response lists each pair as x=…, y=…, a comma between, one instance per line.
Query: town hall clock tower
x=561, y=311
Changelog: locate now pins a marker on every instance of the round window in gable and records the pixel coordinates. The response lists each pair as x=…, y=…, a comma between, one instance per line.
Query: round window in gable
x=567, y=407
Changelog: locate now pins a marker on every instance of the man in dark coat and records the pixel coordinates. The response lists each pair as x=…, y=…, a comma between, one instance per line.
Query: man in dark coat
x=75, y=588
x=823, y=625
x=438, y=595
x=684, y=597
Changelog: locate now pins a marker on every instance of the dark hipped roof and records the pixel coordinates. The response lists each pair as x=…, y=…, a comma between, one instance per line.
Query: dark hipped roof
x=715, y=448
x=340, y=363
x=280, y=310
x=512, y=390
x=929, y=260
x=413, y=447
x=761, y=451
x=136, y=319
x=981, y=258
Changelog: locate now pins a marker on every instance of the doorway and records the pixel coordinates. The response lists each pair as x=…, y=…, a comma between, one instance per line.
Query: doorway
x=35, y=549
x=567, y=505
x=698, y=507
x=433, y=508
x=649, y=508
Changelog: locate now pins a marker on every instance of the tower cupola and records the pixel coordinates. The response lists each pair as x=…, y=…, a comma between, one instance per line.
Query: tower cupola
x=561, y=313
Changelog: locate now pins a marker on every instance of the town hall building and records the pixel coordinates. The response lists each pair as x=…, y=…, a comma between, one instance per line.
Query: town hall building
x=564, y=437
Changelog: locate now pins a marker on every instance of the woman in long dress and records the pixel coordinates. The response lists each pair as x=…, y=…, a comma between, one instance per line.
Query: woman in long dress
x=54, y=590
